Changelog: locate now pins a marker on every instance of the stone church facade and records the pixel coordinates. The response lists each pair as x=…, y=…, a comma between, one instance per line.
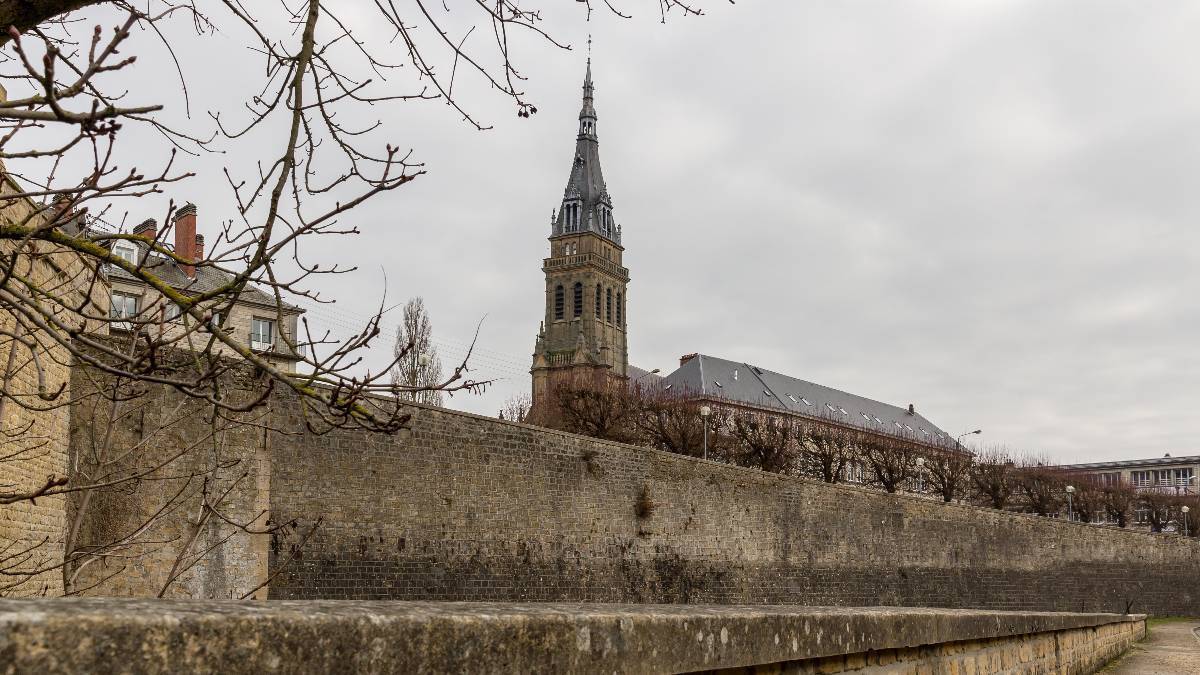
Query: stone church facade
x=582, y=340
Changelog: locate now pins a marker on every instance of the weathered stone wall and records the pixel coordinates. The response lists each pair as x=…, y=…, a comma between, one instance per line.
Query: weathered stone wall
x=35, y=375
x=179, y=481
x=139, y=636
x=471, y=508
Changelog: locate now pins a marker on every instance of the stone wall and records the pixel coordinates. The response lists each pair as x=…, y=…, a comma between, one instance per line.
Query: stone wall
x=180, y=481
x=35, y=375
x=132, y=636
x=471, y=508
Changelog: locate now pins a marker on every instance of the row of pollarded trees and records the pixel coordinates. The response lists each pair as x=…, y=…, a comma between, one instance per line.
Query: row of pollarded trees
x=827, y=449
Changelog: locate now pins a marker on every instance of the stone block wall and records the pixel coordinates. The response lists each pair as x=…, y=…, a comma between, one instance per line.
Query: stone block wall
x=471, y=508
x=196, y=477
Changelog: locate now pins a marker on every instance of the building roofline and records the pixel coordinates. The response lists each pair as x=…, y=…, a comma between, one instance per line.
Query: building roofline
x=1125, y=463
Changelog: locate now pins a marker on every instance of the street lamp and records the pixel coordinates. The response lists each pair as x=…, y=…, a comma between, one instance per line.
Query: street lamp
x=921, y=474
x=958, y=438
x=1185, y=520
x=705, y=411
x=653, y=372
x=1070, y=505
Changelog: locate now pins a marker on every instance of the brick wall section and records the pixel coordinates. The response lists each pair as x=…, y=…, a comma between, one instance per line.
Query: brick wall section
x=471, y=508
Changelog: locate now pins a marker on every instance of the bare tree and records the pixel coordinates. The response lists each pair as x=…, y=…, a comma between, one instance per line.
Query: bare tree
x=516, y=408
x=71, y=98
x=891, y=460
x=767, y=442
x=1160, y=508
x=993, y=477
x=605, y=412
x=826, y=451
x=1042, y=487
x=1119, y=500
x=418, y=369
x=948, y=470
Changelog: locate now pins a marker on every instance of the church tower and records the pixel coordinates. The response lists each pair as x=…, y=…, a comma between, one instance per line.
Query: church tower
x=582, y=339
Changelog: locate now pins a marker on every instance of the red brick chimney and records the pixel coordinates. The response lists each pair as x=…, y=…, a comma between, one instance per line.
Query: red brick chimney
x=148, y=229
x=185, y=237
x=198, y=251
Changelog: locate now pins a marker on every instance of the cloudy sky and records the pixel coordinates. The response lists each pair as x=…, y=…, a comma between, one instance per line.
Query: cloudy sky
x=987, y=209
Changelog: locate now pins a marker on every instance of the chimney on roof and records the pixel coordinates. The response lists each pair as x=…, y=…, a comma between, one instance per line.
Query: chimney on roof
x=1167, y=455
x=911, y=410
x=199, y=250
x=148, y=229
x=686, y=357
x=185, y=237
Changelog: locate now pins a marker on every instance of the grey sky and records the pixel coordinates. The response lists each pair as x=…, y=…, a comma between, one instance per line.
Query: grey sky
x=983, y=208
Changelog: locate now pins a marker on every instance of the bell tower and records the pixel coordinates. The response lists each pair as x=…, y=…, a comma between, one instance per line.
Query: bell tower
x=582, y=338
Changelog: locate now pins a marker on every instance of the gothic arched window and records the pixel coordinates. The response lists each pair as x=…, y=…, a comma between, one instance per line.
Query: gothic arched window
x=598, y=301
x=558, y=302
x=577, y=300
x=608, y=306
x=620, y=313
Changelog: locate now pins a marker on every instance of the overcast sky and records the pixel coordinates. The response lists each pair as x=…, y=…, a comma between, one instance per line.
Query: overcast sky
x=987, y=209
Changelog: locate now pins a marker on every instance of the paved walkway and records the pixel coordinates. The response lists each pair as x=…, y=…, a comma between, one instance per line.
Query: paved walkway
x=1172, y=649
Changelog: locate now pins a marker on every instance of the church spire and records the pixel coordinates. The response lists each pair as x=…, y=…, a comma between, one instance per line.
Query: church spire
x=586, y=205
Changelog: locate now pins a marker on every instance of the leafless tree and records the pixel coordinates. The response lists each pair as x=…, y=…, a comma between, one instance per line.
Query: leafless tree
x=993, y=477
x=765, y=441
x=827, y=451
x=1119, y=500
x=891, y=460
x=71, y=96
x=418, y=369
x=671, y=421
x=516, y=407
x=1087, y=501
x=1042, y=487
x=948, y=470
x=1160, y=508
x=605, y=412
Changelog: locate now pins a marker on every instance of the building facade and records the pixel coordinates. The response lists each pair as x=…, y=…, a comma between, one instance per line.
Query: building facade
x=582, y=339
x=1166, y=474
x=254, y=318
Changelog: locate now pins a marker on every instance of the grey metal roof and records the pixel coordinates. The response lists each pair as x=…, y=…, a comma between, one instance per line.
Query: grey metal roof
x=745, y=383
x=207, y=279
x=1134, y=463
x=586, y=180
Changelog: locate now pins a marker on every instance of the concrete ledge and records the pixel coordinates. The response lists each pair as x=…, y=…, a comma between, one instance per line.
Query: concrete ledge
x=146, y=636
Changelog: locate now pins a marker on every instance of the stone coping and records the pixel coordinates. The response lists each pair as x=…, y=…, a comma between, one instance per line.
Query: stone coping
x=141, y=636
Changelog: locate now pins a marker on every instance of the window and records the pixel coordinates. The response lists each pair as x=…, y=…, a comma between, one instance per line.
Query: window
x=262, y=334
x=124, y=306
x=1141, y=478
x=620, y=314
x=718, y=383
x=577, y=300
x=126, y=250
x=735, y=374
x=558, y=303
x=866, y=416
x=793, y=398
x=830, y=407
x=608, y=305
x=879, y=420
x=598, y=301
x=171, y=311
x=805, y=401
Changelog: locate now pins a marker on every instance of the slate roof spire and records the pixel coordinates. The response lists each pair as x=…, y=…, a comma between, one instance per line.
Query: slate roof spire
x=586, y=205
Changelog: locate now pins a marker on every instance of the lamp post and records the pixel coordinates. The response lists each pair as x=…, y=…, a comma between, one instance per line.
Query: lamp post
x=1185, y=520
x=653, y=372
x=1070, y=505
x=921, y=474
x=957, y=439
x=705, y=411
